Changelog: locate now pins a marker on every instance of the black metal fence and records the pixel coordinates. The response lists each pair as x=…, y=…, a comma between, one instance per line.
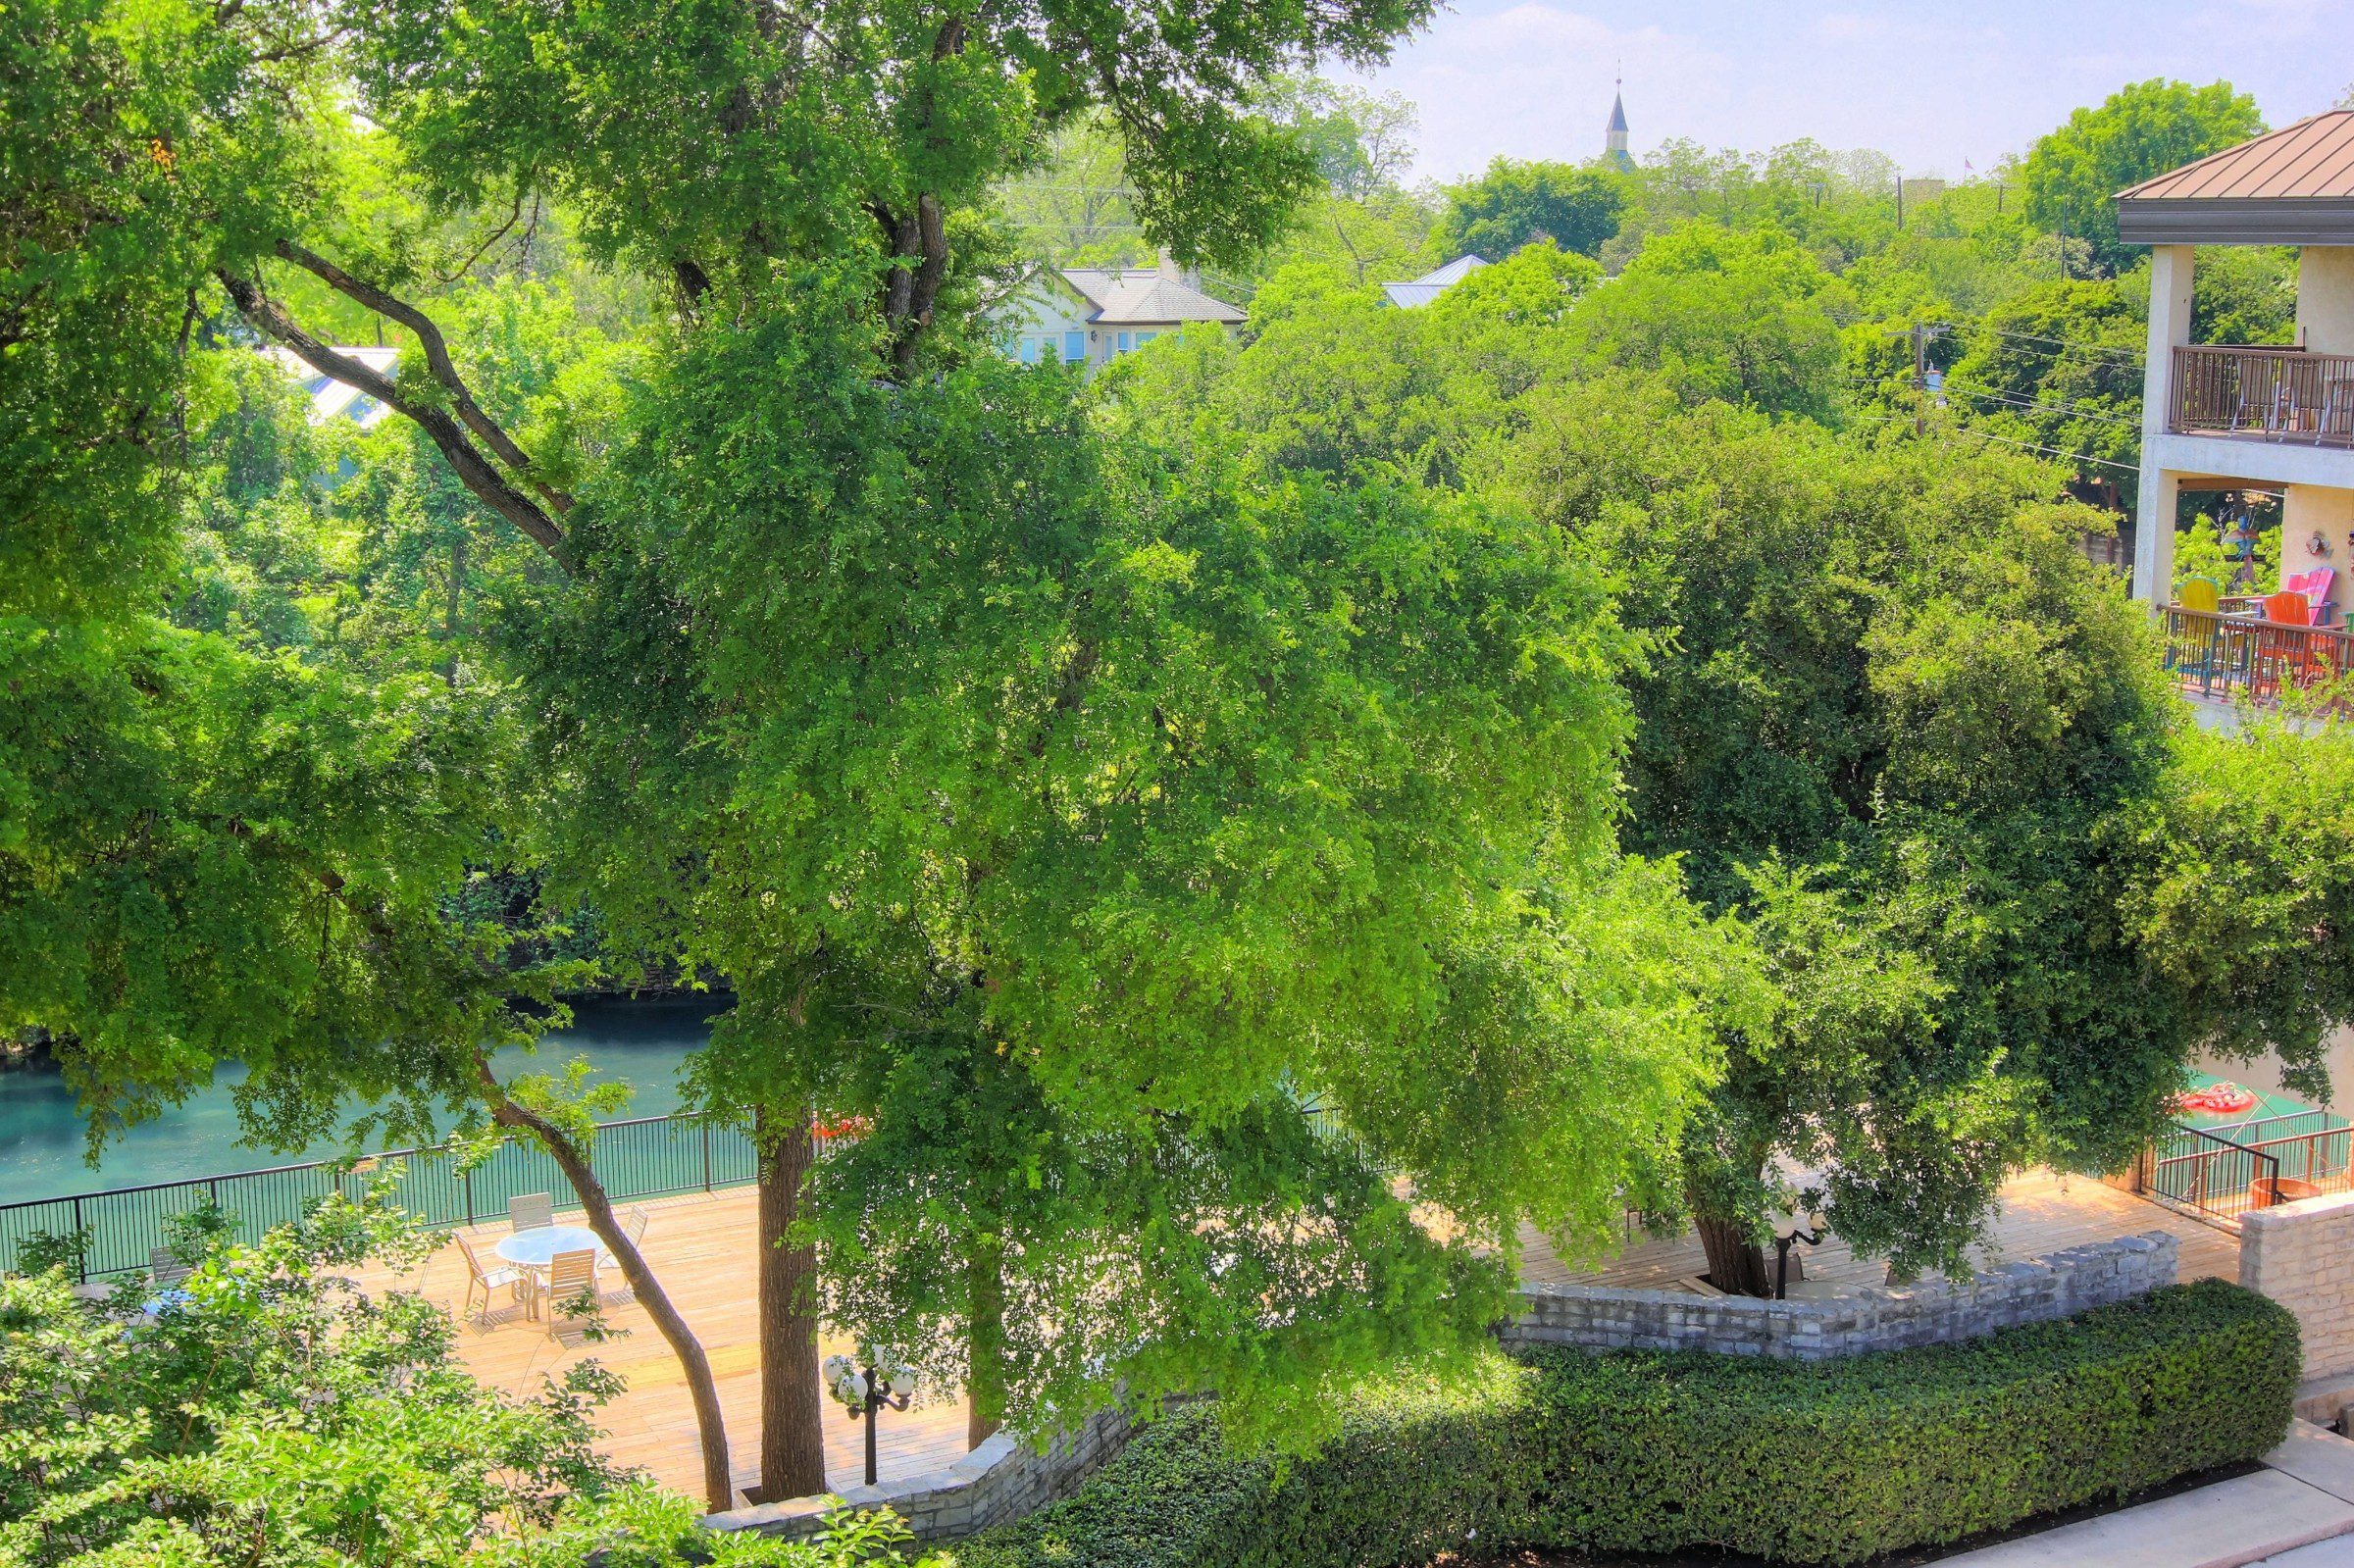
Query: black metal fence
x=646, y=1158
x=2214, y=1175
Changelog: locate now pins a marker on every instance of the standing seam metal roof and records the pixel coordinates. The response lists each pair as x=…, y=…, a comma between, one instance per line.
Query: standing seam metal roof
x=2312, y=159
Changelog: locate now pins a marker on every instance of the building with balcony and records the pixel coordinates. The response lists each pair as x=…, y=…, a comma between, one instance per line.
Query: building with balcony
x=2239, y=417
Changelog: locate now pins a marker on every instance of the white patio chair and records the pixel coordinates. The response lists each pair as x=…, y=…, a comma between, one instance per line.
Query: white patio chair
x=519, y=1281
x=570, y=1276
x=165, y=1268
x=531, y=1211
x=633, y=1226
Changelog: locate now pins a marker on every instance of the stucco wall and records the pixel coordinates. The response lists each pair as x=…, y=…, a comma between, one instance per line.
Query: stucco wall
x=2326, y=298
x=2302, y=1255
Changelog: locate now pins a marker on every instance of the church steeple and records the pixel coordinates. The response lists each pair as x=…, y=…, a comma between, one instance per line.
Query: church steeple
x=1615, y=135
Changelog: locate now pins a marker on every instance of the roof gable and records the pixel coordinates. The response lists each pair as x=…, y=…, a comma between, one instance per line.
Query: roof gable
x=2311, y=160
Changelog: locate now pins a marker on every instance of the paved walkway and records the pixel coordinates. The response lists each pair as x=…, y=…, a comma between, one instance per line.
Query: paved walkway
x=2041, y=1213
x=2298, y=1512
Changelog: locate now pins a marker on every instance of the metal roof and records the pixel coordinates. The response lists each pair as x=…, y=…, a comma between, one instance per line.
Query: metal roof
x=1618, y=113
x=1145, y=297
x=333, y=399
x=1431, y=284
x=2292, y=186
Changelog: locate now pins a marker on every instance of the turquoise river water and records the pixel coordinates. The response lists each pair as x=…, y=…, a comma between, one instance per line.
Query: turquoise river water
x=42, y=1137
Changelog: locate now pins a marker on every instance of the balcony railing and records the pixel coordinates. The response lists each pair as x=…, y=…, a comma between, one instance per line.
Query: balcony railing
x=2236, y=658
x=2272, y=394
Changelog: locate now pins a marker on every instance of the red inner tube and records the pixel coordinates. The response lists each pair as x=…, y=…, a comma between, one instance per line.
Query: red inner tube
x=2216, y=1099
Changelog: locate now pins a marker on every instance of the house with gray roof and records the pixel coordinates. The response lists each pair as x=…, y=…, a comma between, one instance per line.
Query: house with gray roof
x=1092, y=315
x=1431, y=284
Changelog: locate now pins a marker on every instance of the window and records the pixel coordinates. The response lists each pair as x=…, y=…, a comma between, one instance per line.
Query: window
x=1029, y=350
x=1074, y=347
x=1142, y=338
x=1125, y=343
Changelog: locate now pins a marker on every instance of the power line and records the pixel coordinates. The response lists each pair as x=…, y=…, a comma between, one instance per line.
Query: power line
x=2081, y=457
x=2031, y=446
x=2071, y=410
x=2134, y=355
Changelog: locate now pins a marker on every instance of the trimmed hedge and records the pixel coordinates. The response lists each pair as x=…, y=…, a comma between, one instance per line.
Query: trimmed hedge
x=1824, y=1462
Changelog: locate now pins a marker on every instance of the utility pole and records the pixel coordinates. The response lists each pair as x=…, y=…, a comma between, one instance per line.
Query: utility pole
x=1899, y=201
x=1923, y=336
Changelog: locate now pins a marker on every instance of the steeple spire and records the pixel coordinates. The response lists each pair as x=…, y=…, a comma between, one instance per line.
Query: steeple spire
x=1615, y=135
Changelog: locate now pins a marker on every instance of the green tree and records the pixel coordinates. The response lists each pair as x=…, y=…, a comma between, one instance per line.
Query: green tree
x=214, y=1432
x=1518, y=202
x=2059, y=367
x=1736, y=317
x=1145, y=792
x=2140, y=131
x=1897, y=721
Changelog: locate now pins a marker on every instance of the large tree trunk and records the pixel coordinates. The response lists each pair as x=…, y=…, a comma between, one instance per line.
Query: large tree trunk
x=792, y=1437
x=985, y=1337
x=719, y=1487
x=1736, y=1264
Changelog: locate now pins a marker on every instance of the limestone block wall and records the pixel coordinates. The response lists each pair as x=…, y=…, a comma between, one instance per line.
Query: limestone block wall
x=2301, y=1254
x=1001, y=1480
x=1882, y=1318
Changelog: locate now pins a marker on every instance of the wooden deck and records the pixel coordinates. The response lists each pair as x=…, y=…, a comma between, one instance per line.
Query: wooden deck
x=702, y=1249
x=2041, y=1213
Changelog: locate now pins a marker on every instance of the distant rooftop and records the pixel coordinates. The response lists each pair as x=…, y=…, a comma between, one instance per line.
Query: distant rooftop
x=1431, y=284
x=2292, y=186
x=332, y=399
x=1145, y=296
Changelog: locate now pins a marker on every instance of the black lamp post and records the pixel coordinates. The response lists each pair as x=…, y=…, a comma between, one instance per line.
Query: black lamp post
x=1789, y=1230
x=869, y=1397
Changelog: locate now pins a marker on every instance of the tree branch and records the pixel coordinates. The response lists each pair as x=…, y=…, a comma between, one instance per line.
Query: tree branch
x=476, y=472
x=436, y=359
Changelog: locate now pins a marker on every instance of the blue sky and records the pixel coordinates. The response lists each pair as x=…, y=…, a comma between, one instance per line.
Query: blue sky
x=1930, y=83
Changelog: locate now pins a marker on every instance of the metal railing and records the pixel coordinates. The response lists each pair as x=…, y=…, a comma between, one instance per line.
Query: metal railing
x=2213, y=1176
x=645, y=1157
x=2236, y=657
x=2273, y=394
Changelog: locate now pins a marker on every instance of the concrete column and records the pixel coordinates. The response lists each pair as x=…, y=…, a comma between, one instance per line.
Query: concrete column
x=2326, y=298
x=2154, y=511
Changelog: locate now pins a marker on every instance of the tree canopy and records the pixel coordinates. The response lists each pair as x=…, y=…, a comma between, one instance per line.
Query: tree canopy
x=2140, y=131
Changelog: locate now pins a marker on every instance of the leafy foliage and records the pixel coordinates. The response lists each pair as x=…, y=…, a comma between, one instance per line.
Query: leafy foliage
x=2140, y=131
x=1826, y=1463
x=1518, y=203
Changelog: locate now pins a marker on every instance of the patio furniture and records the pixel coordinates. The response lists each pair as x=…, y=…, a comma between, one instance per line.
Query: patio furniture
x=165, y=1268
x=2315, y=585
x=534, y=1250
x=2200, y=594
x=632, y=1225
x=2336, y=413
x=531, y=1211
x=2287, y=608
x=489, y=1280
x=570, y=1276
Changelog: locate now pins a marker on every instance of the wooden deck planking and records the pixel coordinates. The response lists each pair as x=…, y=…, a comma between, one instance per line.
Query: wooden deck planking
x=702, y=1247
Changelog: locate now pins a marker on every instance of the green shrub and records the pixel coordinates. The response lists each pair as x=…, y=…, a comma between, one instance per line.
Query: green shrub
x=1831, y=1462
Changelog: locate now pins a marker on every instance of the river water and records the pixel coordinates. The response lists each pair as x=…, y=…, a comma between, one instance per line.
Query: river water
x=638, y=1042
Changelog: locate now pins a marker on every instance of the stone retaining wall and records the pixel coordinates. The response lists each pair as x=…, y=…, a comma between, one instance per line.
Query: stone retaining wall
x=1004, y=1480
x=999, y=1481
x=2301, y=1254
x=1877, y=1318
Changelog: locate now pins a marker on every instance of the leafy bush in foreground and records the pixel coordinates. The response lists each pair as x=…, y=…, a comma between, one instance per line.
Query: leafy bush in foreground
x=1831, y=1462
